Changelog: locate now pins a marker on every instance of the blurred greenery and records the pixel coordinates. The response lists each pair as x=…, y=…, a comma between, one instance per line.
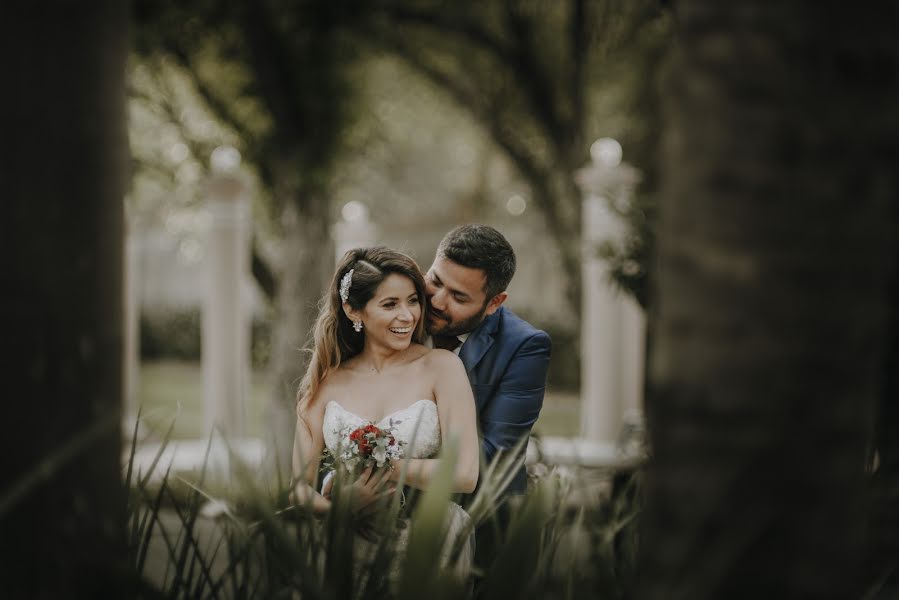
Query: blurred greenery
x=244, y=542
x=415, y=107
x=170, y=335
x=173, y=389
x=177, y=334
x=170, y=388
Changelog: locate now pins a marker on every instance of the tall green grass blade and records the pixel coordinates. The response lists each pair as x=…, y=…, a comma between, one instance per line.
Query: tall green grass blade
x=263, y=551
x=308, y=530
x=190, y=554
x=188, y=520
x=239, y=554
x=202, y=583
x=162, y=446
x=153, y=516
x=495, y=481
x=577, y=526
x=515, y=571
x=428, y=529
x=133, y=449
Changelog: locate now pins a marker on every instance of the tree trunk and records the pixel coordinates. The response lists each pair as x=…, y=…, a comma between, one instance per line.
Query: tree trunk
x=308, y=263
x=564, y=199
x=883, y=557
x=62, y=173
x=768, y=349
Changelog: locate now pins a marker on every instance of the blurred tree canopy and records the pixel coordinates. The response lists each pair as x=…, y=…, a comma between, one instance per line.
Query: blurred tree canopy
x=276, y=76
x=537, y=76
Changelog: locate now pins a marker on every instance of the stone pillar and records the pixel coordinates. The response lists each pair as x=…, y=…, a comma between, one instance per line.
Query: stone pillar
x=612, y=324
x=353, y=230
x=226, y=309
x=633, y=354
x=601, y=409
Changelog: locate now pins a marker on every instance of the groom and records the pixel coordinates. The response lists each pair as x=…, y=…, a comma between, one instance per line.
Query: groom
x=506, y=357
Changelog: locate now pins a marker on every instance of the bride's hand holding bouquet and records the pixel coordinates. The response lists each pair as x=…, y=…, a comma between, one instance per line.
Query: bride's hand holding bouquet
x=365, y=456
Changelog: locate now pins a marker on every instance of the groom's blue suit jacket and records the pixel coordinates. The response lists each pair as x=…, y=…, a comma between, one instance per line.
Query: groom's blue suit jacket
x=506, y=359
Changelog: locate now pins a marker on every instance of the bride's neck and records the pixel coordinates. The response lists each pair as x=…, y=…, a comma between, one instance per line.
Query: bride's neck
x=375, y=358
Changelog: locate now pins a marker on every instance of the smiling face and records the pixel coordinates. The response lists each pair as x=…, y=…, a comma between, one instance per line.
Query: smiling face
x=457, y=301
x=390, y=317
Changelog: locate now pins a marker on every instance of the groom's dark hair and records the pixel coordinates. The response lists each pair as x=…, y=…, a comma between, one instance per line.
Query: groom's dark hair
x=481, y=247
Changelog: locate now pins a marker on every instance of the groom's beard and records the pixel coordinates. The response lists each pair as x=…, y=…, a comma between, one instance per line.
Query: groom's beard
x=454, y=328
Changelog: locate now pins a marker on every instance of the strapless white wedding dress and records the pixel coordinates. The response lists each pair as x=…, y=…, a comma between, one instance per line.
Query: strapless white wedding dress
x=416, y=423
x=419, y=427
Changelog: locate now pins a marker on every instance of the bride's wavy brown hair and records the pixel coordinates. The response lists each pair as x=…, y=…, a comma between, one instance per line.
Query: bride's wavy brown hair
x=334, y=338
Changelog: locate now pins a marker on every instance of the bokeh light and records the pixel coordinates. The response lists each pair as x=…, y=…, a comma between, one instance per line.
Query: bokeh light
x=178, y=153
x=225, y=159
x=516, y=205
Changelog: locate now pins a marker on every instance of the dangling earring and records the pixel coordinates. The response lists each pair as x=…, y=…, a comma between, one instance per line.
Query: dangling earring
x=357, y=325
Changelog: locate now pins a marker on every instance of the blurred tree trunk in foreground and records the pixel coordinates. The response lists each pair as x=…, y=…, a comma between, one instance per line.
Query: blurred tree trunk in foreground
x=62, y=174
x=769, y=346
x=883, y=557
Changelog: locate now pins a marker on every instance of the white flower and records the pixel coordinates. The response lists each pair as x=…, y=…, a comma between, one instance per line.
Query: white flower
x=380, y=454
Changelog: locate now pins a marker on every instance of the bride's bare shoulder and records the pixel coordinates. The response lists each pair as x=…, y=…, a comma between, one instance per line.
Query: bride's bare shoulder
x=338, y=379
x=331, y=387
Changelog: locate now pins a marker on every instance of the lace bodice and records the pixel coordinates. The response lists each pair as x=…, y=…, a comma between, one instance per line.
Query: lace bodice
x=421, y=414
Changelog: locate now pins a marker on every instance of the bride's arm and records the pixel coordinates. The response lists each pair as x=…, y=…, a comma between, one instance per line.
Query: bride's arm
x=307, y=447
x=456, y=412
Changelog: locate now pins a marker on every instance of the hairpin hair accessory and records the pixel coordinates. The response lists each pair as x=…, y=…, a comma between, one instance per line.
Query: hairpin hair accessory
x=345, y=284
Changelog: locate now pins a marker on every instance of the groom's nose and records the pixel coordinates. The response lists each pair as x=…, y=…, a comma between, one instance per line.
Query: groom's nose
x=430, y=288
x=438, y=300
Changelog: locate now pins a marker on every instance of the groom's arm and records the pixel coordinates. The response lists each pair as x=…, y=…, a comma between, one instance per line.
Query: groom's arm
x=514, y=409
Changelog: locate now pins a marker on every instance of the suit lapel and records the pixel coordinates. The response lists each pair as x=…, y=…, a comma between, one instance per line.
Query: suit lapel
x=480, y=340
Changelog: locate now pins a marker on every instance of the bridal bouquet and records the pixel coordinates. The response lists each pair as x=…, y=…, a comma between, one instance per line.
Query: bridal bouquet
x=365, y=446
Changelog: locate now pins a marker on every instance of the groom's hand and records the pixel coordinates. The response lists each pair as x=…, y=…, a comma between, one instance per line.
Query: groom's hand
x=371, y=486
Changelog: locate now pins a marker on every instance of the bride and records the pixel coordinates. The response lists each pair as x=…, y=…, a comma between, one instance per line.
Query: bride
x=369, y=365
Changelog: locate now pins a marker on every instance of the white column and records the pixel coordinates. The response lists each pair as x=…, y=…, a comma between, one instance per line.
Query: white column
x=613, y=324
x=633, y=352
x=353, y=230
x=601, y=380
x=226, y=309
